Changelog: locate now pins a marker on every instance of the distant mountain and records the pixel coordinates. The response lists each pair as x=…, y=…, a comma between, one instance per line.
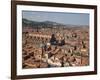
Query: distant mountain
x=48, y=24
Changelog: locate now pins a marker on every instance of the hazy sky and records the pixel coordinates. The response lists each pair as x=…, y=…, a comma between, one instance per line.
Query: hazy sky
x=60, y=17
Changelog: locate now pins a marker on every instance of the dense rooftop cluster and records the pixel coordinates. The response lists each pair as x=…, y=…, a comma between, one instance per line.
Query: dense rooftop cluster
x=55, y=47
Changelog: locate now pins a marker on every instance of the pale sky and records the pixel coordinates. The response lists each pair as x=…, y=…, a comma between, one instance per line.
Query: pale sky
x=59, y=17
